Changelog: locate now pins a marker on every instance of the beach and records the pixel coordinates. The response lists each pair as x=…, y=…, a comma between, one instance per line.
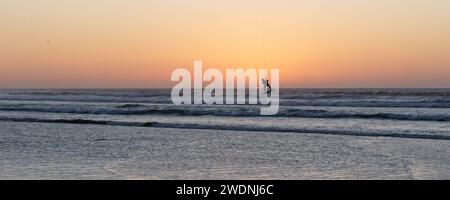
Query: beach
x=241, y=90
x=77, y=151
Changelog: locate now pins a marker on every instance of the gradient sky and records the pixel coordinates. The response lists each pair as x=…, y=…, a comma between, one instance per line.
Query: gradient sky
x=316, y=43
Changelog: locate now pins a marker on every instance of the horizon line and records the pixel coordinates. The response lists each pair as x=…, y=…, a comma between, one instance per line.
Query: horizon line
x=164, y=88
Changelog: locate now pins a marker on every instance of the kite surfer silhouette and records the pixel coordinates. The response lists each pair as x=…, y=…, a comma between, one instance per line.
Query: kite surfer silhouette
x=267, y=86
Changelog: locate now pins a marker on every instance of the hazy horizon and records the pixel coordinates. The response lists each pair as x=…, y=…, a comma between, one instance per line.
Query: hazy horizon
x=169, y=88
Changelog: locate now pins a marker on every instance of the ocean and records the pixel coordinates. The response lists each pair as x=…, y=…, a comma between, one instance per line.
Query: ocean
x=58, y=133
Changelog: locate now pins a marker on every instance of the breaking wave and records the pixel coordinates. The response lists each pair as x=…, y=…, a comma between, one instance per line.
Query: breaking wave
x=233, y=111
x=232, y=128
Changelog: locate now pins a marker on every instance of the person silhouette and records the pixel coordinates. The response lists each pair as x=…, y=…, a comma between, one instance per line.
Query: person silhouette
x=267, y=86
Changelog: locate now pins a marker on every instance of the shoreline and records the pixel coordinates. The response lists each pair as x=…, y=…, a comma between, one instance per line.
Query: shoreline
x=237, y=128
x=81, y=151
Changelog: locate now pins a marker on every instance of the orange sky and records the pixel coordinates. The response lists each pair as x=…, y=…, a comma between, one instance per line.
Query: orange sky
x=316, y=43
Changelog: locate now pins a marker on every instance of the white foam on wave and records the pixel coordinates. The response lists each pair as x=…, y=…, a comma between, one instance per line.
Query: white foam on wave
x=231, y=127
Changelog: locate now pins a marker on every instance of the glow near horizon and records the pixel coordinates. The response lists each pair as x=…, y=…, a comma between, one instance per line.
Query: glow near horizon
x=119, y=43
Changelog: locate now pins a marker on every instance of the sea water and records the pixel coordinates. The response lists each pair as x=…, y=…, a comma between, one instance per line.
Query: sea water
x=140, y=134
x=411, y=113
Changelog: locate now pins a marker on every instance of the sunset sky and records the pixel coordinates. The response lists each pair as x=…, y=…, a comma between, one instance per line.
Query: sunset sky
x=137, y=43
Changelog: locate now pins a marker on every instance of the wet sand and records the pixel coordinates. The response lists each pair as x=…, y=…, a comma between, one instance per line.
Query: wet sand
x=77, y=151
